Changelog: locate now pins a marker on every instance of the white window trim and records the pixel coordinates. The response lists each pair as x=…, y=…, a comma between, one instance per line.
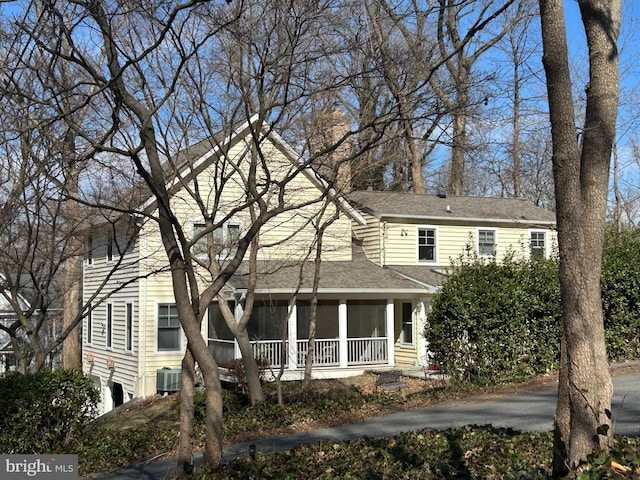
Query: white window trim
x=108, y=312
x=128, y=333
x=435, y=247
x=180, y=349
x=495, y=241
x=546, y=240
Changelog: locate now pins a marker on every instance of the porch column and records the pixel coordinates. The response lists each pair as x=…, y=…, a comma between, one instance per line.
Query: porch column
x=238, y=314
x=423, y=350
x=390, y=332
x=342, y=333
x=292, y=328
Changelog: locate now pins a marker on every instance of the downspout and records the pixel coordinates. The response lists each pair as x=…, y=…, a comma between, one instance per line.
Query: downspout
x=383, y=251
x=144, y=321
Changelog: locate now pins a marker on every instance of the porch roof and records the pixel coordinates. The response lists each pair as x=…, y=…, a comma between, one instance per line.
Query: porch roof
x=431, y=278
x=359, y=275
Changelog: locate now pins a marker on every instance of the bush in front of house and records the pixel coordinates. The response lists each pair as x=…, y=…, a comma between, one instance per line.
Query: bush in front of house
x=496, y=322
x=46, y=412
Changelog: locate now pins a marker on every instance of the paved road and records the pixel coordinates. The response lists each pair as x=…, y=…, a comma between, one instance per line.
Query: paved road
x=531, y=410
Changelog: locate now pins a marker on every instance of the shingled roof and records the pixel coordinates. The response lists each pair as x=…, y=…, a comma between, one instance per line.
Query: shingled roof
x=359, y=275
x=410, y=206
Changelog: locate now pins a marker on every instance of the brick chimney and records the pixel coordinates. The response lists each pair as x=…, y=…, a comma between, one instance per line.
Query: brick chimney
x=331, y=148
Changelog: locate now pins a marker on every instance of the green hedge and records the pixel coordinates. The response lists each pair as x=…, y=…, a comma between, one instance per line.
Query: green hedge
x=46, y=412
x=621, y=294
x=497, y=322
x=500, y=322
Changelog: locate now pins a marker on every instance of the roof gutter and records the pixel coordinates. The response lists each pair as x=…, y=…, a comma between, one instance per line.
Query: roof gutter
x=386, y=216
x=338, y=291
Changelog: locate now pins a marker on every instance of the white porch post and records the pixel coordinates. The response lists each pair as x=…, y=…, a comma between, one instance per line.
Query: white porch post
x=342, y=333
x=390, y=331
x=423, y=346
x=238, y=314
x=292, y=328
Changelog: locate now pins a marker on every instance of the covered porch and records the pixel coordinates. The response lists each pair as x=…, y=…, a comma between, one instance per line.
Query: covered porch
x=350, y=334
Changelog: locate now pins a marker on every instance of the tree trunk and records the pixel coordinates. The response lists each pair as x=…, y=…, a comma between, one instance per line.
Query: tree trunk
x=583, y=416
x=71, y=356
x=459, y=140
x=311, y=347
x=187, y=394
x=191, y=327
x=515, y=140
x=251, y=370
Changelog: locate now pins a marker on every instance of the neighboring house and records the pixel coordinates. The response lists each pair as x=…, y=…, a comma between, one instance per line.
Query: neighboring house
x=383, y=259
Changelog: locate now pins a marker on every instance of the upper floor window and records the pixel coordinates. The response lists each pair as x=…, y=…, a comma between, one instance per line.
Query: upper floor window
x=110, y=248
x=89, y=247
x=426, y=244
x=225, y=239
x=168, y=327
x=486, y=242
x=538, y=244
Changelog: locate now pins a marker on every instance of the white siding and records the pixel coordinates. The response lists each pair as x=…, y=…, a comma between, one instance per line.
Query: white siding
x=122, y=286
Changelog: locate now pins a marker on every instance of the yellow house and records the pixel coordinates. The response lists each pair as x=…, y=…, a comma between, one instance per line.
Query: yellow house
x=383, y=257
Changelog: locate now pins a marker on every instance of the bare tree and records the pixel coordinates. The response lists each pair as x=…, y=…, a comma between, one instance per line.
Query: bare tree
x=460, y=47
x=161, y=78
x=581, y=173
x=407, y=58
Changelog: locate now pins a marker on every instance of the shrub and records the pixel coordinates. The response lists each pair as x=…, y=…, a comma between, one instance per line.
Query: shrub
x=620, y=284
x=500, y=322
x=46, y=412
x=497, y=322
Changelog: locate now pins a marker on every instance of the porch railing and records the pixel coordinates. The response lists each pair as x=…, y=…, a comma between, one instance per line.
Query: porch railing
x=271, y=351
x=367, y=351
x=326, y=352
x=360, y=351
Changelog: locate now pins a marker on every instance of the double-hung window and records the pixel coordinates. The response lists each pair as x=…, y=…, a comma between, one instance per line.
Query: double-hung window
x=168, y=327
x=110, y=242
x=225, y=240
x=109, y=340
x=486, y=242
x=89, y=250
x=426, y=244
x=407, y=323
x=128, y=327
x=200, y=246
x=537, y=241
